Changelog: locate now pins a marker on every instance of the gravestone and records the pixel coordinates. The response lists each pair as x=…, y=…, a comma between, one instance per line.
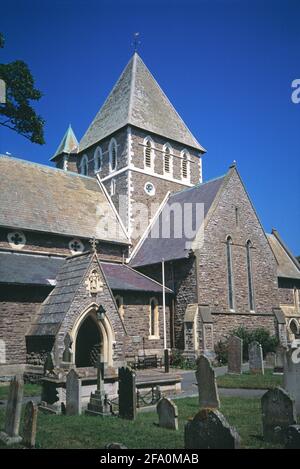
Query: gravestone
x=73, y=393
x=13, y=412
x=67, y=357
x=235, y=355
x=167, y=414
x=270, y=360
x=293, y=437
x=207, y=385
x=291, y=376
x=127, y=394
x=29, y=425
x=278, y=413
x=98, y=405
x=279, y=359
x=210, y=430
x=256, y=363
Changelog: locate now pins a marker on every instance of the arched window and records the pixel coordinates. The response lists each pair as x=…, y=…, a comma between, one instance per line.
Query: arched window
x=154, y=319
x=120, y=305
x=148, y=153
x=167, y=160
x=185, y=166
x=84, y=165
x=229, y=272
x=97, y=159
x=249, y=273
x=113, y=155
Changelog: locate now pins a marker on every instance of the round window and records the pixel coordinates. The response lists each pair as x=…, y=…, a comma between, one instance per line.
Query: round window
x=76, y=246
x=149, y=188
x=16, y=239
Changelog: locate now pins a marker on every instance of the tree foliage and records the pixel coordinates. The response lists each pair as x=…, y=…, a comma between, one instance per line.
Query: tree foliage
x=17, y=113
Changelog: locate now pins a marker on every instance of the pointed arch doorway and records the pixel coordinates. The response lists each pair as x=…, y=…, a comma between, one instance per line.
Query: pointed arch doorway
x=92, y=336
x=88, y=344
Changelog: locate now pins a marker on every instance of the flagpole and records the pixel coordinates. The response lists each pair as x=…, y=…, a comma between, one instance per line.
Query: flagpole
x=166, y=351
x=164, y=302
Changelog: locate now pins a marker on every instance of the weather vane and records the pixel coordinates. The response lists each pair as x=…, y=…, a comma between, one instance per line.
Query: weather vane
x=136, y=41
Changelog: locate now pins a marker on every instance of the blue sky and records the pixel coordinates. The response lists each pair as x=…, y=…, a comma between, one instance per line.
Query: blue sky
x=227, y=66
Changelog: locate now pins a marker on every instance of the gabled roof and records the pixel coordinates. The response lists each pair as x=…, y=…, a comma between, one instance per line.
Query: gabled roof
x=57, y=304
x=71, y=275
x=36, y=269
x=69, y=144
x=122, y=277
x=138, y=100
x=41, y=198
x=158, y=245
x=287, y=264
x=29, y=269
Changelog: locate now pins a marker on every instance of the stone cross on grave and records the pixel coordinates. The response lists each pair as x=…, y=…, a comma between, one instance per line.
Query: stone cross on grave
x=93, y=242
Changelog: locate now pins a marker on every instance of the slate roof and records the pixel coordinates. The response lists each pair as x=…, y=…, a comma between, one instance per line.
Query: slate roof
x=287, y=264
x=138, y=100
x=122, y=277
x=156, y=246
x=57, y=304
x=69, y=144
x=28, y=269
x=40, y=198
x=70, y=277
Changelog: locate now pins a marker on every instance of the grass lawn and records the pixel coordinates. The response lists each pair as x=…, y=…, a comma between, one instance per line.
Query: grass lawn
x=29, y=390
x=250, y=381
x=58, y=431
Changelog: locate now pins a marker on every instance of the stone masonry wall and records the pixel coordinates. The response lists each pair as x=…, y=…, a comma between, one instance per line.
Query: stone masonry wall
x=18, y=306
x=212, y=260
x=225, y=324
x=137, y=323
x=56, y=244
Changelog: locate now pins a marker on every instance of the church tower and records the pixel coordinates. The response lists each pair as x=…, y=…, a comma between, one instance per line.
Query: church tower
x=139, y=147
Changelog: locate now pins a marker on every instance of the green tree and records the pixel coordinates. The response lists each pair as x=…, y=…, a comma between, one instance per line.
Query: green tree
x=17, y=113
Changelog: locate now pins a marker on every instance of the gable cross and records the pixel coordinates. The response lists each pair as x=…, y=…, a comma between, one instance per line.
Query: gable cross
x=93, y=242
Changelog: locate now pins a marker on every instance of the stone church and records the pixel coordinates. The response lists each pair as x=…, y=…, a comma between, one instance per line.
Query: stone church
x=83, y=243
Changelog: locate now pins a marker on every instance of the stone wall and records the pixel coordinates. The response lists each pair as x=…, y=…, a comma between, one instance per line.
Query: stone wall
x=56, y=244
x=18, y=306
x=224, y=324
x=212, y=259
x=121, y=138
x=136, y=307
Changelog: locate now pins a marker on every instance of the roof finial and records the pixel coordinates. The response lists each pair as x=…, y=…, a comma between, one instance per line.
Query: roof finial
x=136, y=42
x=93, y=243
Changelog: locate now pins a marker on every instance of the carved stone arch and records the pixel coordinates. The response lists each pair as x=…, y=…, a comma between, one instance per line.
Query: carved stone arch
x=102, y=325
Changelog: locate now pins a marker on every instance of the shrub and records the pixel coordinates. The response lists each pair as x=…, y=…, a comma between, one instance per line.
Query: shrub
x=221, y=351
x=261, y=335
x=179, y=361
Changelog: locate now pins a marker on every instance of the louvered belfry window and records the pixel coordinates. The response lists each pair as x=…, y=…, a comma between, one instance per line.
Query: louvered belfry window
x=113, y=157
x=167, y=160
x=184, y=166
x=148, y=155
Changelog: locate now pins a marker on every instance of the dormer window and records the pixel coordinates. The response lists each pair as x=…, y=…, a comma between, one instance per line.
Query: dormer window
x=97, y=159
x=185, y=166
x=148, y=153
x=84, y=166
x=167, y=160
x=113, y=155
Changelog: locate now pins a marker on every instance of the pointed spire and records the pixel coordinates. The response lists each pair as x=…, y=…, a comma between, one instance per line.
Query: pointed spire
x=69, y=144
x=138, y=100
